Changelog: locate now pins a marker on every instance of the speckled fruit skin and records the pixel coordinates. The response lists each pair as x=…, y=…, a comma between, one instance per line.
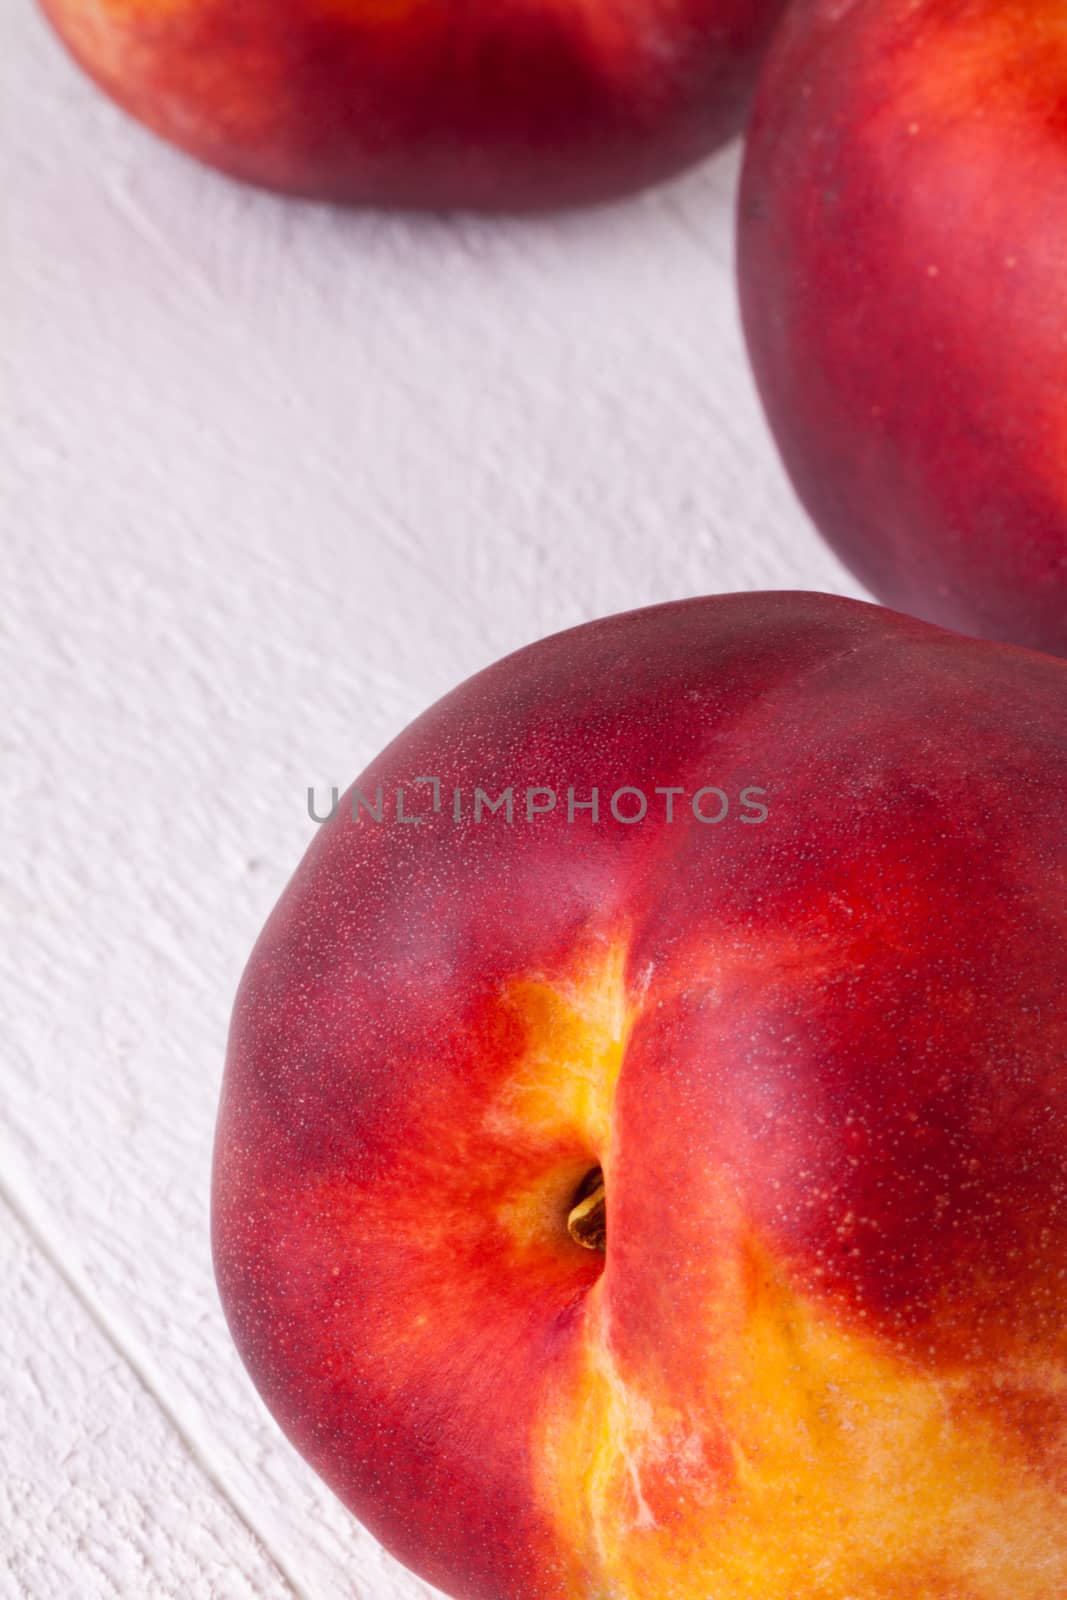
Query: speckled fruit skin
x=481, y=105
x=903, y=274
x=819, y=1059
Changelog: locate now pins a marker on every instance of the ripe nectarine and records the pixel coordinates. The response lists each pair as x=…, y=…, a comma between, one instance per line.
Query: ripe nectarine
x=512, y=107
x=903, y=276
x=672, y=1210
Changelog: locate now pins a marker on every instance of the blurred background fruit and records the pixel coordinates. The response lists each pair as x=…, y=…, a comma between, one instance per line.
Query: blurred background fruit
x=532, y=104
x=903, y=278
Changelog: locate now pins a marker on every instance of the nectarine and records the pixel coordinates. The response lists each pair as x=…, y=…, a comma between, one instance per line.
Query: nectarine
x=677, y=1209
x=903, y=275
x=513, y=106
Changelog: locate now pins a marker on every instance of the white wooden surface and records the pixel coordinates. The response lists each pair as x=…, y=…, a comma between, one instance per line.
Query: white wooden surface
x=271, y=479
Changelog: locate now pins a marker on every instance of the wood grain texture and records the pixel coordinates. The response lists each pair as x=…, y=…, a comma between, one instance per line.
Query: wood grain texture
x=272, y=478
x=73, y=1411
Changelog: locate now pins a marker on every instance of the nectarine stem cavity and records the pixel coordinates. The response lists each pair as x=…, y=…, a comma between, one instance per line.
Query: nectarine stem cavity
x=587, y=1219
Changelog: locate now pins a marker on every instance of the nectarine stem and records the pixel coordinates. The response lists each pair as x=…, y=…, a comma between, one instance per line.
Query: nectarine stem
x=587, y=1219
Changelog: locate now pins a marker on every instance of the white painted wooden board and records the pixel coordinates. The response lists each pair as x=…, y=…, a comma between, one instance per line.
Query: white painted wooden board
x=76, y=1527
x=272, y=478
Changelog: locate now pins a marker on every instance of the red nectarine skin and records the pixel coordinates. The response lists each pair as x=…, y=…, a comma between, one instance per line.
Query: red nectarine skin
x=903, y=275
x=514, y=106
x=819, y=1060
